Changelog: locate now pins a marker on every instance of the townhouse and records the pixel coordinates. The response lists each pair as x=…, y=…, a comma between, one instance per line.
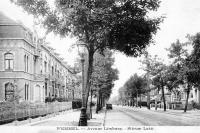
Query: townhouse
x=30, y=70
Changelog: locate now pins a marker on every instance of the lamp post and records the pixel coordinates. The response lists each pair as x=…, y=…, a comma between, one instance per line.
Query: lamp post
x=83, y=89
x=83, y=116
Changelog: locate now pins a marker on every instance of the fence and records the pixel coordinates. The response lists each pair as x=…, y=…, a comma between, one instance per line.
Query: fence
x=22, y=112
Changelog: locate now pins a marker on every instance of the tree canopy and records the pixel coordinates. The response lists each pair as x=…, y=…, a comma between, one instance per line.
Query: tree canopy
x=121, y=25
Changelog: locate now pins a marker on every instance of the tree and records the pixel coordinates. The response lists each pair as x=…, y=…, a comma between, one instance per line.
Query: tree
x=103, y=77
x=159, y=77
x=131, y=89
x=121, y=25
x=171, y=77
x=156, y=71
x=182, y=62
x=172, y=80
x=194, y=58
x=191, y=67
x=140, y=84
x=148, y=64
x=136, y=86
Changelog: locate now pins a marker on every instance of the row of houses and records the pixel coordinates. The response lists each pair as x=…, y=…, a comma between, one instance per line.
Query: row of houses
x=30, y=69
x=174, y=99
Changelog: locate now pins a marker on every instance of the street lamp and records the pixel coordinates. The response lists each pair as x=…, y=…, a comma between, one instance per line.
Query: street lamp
x=83, y=116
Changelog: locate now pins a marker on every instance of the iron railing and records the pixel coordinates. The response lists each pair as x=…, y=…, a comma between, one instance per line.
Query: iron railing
x=33, y=111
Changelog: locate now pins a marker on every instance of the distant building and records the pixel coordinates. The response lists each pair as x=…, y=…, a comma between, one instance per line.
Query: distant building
x=29, y=68
x=180, y=95
x=175, y=97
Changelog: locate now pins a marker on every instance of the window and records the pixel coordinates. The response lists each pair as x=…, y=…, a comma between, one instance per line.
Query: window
x=45, y=87
x=9, y=61
x=56, y=92
x=26, y=91
x=52, y=69
x=26, y=63
x=9, y=92
x=45, y=66
x=56, y=70
x=53, y=88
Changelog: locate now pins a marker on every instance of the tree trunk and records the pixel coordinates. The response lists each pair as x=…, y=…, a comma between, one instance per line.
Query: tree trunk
x=155, y=104
x=97, y=108
x=91, y=104
x=140, y=101
x=136, y=99
x=148, y=90
x=88, y=77
x=104, y=101
x=101, y=101
x=188, y=92
x=163, y=95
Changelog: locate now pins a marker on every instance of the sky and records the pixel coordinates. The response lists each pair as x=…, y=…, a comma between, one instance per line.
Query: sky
x=182, y=18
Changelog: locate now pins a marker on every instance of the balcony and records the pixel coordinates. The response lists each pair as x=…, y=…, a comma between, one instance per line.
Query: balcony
x=41, y=76
x=36, y=53
x=38, y=77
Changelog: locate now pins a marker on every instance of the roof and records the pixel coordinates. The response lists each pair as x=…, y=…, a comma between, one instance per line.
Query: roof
x=4, y=20
x=49, y=49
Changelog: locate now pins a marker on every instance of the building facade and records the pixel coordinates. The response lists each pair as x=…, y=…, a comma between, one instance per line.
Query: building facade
x=175, y=99
x=30, y=69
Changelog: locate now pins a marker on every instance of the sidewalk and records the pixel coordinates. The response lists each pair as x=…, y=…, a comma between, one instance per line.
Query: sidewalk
x=97, y=119
x=67, y=118
x=169, y=111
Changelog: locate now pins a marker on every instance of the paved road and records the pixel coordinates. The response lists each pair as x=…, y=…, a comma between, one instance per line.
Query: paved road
x=127, y=116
